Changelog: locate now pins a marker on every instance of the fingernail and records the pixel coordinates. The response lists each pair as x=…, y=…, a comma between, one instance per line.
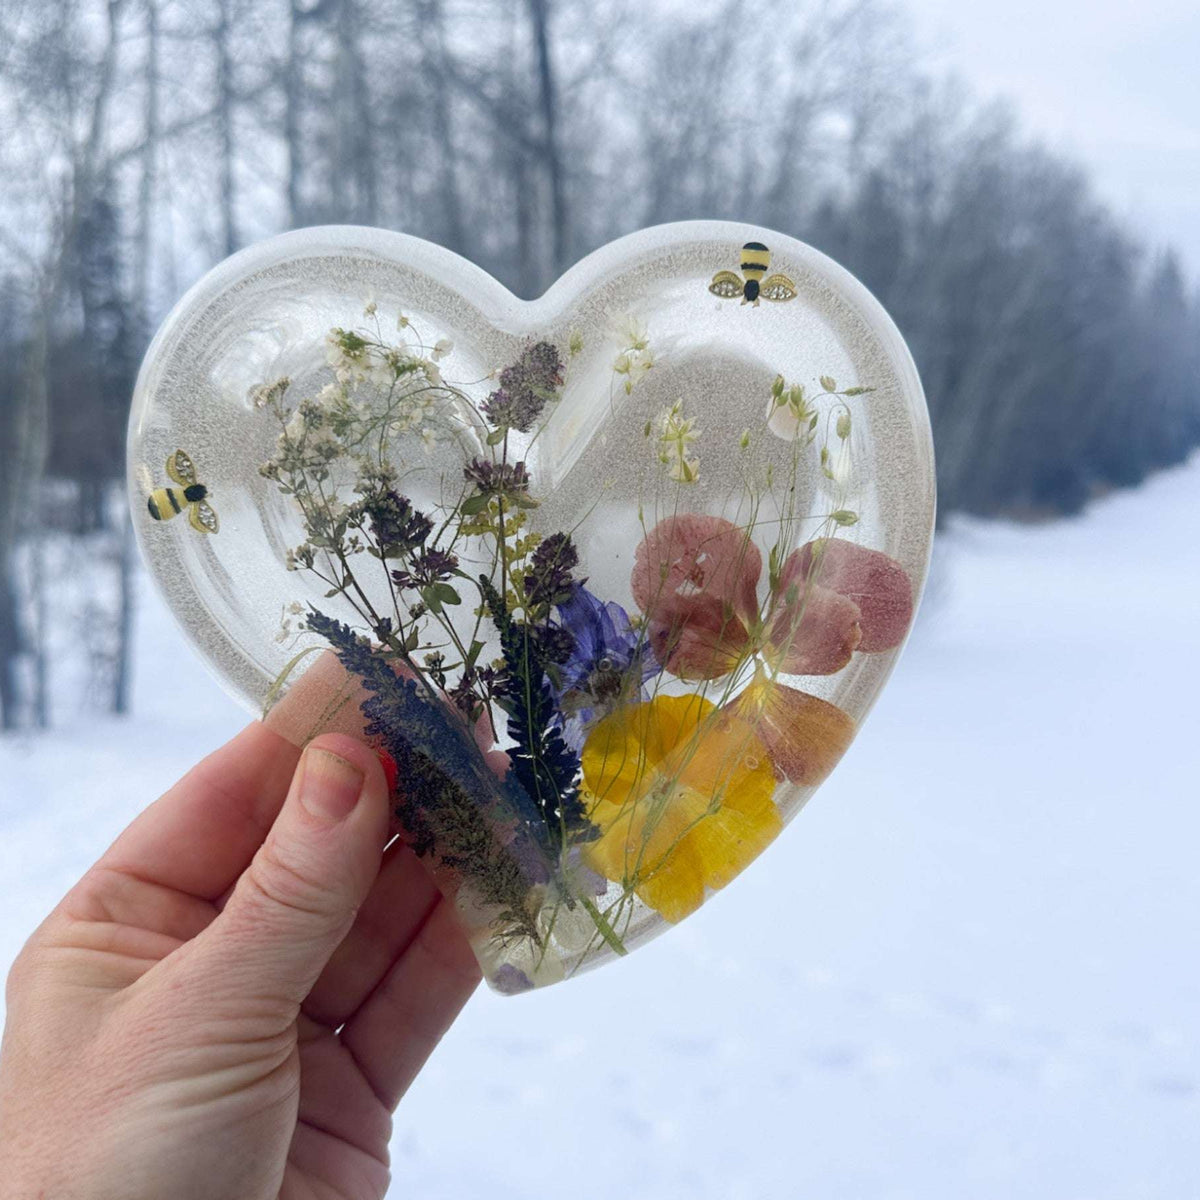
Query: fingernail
x=329, y=786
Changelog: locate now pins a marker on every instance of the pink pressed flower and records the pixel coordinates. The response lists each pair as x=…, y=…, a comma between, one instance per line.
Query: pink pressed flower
x=811, y=630
x=692, y=557
x=697, y=638
x=877, y=584
x=696, y=579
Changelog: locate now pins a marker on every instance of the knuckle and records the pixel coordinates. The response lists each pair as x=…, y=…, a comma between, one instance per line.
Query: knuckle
x=20, y=977
x=285, y=880
x=27, y=972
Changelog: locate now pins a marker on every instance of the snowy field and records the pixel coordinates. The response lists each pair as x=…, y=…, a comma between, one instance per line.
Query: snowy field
x=968, y=971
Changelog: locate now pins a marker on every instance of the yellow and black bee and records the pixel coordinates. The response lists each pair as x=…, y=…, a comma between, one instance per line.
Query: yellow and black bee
x=756, y=258
x=168, y=502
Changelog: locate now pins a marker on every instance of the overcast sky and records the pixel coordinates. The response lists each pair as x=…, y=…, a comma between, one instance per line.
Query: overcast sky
x=1115, y=83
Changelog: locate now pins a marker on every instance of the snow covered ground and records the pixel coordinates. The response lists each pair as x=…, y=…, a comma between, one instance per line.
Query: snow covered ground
x=969, y=970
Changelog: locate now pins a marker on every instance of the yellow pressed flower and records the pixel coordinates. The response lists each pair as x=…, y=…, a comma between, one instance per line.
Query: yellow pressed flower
x=682, y=795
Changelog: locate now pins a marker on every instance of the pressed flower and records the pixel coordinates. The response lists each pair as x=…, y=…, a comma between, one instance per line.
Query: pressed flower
x=525, y=387
x=682, y=797
x=804, y=734
x=700, y=638
x=497, y=479
x=789, y=414
x=676, y=435
x=548, y=580
x=608, y=665
x=873, y=581
x=398, y=527
x=635, y=358
x=693, y=557
x=811, y=630
x=427, y=568
x=696, y=579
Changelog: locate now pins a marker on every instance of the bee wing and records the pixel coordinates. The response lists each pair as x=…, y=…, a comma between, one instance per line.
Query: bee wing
x=203, y=517
x=726, y=284
x=181, y=468
x=778, y=288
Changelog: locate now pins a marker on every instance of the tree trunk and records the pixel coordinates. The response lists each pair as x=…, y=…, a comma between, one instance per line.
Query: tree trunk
x=548, y=98
x=145, y=204
x=225, y=102
x=292, y=93
x=433, y=32
x=122, y=668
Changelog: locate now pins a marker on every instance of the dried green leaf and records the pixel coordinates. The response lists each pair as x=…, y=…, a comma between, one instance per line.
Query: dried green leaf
x=473, y=505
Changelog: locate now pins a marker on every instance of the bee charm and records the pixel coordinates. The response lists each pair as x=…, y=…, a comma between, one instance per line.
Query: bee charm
x=168, y=502
x=756, y=258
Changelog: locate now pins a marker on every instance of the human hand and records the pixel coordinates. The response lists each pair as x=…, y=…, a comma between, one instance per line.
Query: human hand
x=232, y=1001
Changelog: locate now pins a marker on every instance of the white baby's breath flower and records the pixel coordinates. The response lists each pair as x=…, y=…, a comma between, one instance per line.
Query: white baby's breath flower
x=789, y=414
x=782, y=421
x=637, y=368
x=441, y=349
x=268, y=393
x=632, y=333
x=296, y=426
x=432, y=372
x=676, y=434
x=402, y=321
x=371, y=307
x=839, y=476
x=685, y=470
x=331, y=396
x=635, y=358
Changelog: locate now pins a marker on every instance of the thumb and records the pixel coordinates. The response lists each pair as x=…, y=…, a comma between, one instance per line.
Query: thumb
x=298, y=898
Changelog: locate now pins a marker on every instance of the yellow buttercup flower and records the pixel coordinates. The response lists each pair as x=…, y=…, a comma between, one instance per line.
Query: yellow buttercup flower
x=682, y=794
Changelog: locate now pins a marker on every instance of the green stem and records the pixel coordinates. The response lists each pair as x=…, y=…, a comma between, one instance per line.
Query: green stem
x=607, y=932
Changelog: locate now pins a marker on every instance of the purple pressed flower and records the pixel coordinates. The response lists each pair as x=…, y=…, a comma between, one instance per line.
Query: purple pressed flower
x=554, y=643
x=398, y=527
x=510, y=980
x=548, y=580
x=525, y=387
x=497, y=479
x=425, y=569
x=609, y=665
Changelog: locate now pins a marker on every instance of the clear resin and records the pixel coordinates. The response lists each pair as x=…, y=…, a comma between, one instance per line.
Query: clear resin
x=611, y=577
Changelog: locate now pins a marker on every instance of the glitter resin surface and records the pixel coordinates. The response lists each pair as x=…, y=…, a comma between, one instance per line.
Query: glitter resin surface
x=611, y=577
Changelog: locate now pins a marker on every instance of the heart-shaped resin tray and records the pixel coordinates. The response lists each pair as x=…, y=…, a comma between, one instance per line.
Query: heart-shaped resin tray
x=612, y=576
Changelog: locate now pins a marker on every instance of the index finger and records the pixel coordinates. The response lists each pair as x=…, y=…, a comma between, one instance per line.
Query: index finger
x=203, y=832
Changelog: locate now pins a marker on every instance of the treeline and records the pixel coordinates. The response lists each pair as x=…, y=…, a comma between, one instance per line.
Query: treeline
x=145, y=139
